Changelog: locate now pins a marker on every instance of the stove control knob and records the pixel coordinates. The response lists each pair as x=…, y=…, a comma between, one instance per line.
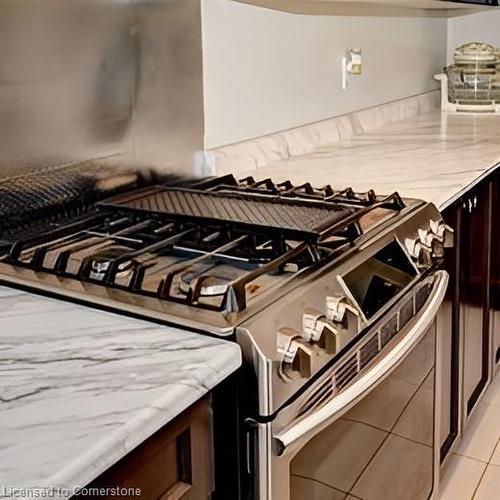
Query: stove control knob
x=297, y=353
x=437, y=249
x=425, y=257
x=428, y=247
x=413, y=247
x=337, y=306
x=425, y=237
x=421, y=248
x=316, y=328
x=442, y=233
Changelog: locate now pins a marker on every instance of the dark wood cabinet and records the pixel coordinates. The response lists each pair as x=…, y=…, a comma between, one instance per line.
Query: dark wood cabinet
x=495, y=272
x=467, y=333
x=450, y=339
x=175, y=463
x=475, y=272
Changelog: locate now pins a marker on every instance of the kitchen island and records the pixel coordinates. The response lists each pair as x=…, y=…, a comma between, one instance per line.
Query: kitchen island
x=82, y=388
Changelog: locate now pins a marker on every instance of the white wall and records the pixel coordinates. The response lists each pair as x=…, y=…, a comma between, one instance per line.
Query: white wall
x=480, y=27
x=267, y=71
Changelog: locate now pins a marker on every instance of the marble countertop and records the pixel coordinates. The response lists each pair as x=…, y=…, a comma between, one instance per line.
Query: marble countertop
x=430, y=156
x=80, y=388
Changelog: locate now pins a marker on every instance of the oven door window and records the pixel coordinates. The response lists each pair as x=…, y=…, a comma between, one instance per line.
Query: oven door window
x=381, y=449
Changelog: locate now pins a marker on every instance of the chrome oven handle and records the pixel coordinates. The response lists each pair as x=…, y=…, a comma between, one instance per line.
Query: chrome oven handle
x=331, y=411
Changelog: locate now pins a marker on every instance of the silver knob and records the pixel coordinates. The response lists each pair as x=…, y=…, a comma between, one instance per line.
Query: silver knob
x=421, y=248
x=426, y=237
x=284, y=343
x=425, y=256
x=311, y=328
x=314, y=324
x=337, y=306
x=316, y=328
x=297, y=353
x=442, y=232
x=413, y=247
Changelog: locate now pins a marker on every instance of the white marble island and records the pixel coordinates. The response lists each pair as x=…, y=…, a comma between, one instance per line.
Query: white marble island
x=80, y=388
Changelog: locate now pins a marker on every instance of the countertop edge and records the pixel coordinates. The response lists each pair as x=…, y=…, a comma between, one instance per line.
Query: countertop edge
x=108, y=452
x=471, y=185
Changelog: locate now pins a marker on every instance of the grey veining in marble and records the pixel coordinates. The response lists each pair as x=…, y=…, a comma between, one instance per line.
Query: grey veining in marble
x=432, y=156
x=80, y=388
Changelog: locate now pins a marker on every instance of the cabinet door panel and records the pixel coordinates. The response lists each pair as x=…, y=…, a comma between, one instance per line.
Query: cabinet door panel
x=495, y=269
x=473, y=349
x=450, y=338
x=474, y=291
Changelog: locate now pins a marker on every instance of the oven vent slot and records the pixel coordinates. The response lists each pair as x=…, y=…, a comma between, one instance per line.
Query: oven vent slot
x=388, y=331
x=368, y=351
x=322, y=394
x=345, y=373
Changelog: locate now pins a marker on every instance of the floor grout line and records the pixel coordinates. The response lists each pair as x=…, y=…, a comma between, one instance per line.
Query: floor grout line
x=479, y=482
x=495, y=439
x=485, y=469
x=494, y=449
x=329, y=486
x=471, y=458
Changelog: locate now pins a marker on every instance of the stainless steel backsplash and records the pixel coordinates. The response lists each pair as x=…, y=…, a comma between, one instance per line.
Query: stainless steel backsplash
x=88, y=79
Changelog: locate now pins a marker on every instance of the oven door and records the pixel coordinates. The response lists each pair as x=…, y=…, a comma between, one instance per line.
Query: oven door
x=378, y=437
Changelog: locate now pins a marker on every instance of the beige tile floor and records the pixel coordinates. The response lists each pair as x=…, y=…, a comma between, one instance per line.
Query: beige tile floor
x=473, y=472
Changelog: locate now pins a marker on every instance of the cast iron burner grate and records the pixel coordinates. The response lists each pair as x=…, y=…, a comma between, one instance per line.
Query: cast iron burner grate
x=297, y=211
x=249, y=210
x=216, y=244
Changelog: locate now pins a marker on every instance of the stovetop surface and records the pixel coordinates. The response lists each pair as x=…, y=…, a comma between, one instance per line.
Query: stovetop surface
x=220, y=246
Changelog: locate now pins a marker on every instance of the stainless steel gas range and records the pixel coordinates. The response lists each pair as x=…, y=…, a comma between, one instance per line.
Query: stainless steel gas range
x=332, y=295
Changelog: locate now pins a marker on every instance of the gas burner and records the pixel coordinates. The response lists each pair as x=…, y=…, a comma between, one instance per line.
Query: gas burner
x=101, y=262
x=217, y=244
x=210, y=279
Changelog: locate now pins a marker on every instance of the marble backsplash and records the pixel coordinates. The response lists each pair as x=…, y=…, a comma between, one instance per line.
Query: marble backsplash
x=259, y=152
